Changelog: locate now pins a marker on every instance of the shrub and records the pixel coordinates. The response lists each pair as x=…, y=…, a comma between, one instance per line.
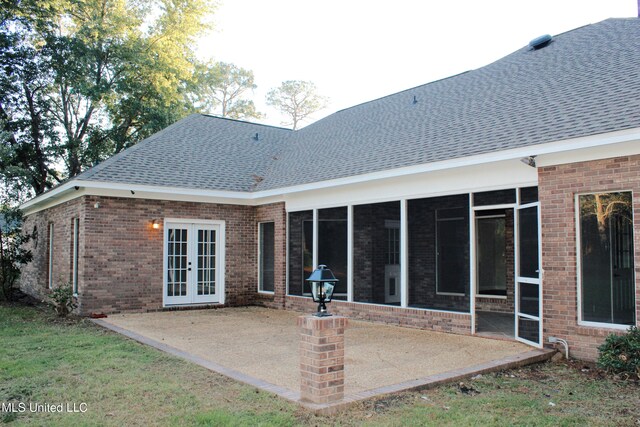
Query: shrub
x=63, y=300
x=621, y=353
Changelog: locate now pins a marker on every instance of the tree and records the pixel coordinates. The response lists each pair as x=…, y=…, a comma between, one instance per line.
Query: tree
x=83, y=80
x=296, y=99
x=219, y=88
x=12, y=252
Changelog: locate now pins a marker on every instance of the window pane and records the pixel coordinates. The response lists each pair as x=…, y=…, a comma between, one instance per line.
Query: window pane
x=267, y=256
x=606, y=250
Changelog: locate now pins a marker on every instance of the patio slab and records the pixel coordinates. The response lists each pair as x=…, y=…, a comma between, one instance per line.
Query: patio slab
x=260, y=346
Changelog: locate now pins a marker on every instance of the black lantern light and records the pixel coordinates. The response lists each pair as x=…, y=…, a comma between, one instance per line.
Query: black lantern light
x=322, y=284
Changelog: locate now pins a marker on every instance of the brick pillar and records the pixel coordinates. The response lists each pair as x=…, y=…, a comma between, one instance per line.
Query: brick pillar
x=322, y=358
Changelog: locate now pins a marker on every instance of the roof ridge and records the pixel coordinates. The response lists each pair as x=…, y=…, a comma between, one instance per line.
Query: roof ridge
x=213, y=116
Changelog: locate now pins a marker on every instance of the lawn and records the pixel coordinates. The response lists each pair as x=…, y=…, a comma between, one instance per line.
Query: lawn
x=46, y=360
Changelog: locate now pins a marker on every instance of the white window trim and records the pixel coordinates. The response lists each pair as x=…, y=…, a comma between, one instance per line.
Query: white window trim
x=50, y=278
x=587, y=323
x=74, y=256
x=260, y=291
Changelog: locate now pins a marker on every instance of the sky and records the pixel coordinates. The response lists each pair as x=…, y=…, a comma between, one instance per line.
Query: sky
x=356, y=50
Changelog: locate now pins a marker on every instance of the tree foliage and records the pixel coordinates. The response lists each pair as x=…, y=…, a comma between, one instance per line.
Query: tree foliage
x=12, y=252
x=220, y=88
x=81, y=80
x=296, y=99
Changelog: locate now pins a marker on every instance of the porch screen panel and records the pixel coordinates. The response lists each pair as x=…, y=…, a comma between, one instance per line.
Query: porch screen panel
x=606, y=258
x=177, y=262
x=332, y=246
x=300, y=247
x=439, y=253
x=376, y=253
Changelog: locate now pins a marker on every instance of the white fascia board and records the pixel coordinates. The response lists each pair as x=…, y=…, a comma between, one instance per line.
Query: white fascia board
x=77, y=188
x=592, y=147
x=569, y=145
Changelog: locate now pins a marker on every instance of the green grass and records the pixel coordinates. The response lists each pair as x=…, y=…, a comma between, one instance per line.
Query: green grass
x=122, y=382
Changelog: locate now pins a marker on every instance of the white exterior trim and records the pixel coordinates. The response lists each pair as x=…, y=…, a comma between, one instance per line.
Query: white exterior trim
x=220, y=246
x=404, y=254
x=592, y=147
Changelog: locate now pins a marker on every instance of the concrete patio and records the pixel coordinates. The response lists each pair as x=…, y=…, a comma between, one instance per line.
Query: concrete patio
x=260, y=346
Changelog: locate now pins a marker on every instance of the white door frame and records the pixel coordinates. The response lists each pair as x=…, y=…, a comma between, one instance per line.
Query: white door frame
x=522, y=279
x=192, y=225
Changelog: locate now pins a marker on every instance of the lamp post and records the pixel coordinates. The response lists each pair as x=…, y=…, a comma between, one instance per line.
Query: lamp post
x=322, y=284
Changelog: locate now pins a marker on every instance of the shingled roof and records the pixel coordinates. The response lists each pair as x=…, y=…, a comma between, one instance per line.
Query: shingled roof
x=585, y=82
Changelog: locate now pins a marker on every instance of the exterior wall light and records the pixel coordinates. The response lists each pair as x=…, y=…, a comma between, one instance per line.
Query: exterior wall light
x=155, y=224
x=322, y=284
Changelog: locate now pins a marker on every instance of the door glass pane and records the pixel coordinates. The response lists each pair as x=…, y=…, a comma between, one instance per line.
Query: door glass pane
x=528, y=239
x=491, y=259
x=529, y=299
x=176, y=262
x=206, y=283
x=267, y=256
x=606, y=251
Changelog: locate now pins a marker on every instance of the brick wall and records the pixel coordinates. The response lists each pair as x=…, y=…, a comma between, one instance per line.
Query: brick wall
x=35, y=275
x=441, y=321
x=121, y=255
x=124, y=255
x=558, y=186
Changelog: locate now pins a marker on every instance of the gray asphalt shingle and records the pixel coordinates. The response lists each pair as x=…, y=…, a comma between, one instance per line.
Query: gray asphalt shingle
x=585, y=82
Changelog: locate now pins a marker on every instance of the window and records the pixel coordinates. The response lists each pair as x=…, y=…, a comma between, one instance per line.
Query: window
x=606, y=268
x=451, y=240
x=50, y=256
x=266, y=256
x=74, y=255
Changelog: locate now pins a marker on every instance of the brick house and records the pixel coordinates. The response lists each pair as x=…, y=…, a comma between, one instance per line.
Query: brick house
x=503, y=200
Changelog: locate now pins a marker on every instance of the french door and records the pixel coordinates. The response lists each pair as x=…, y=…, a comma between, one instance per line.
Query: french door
x=194, y=262
x=528, y=293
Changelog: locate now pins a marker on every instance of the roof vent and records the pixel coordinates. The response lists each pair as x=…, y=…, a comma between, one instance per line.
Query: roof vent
x=540, y=42
x=256, y=137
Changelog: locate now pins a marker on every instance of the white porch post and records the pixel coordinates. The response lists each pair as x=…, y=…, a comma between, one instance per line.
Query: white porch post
x=350, y=253
x=404, y=255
